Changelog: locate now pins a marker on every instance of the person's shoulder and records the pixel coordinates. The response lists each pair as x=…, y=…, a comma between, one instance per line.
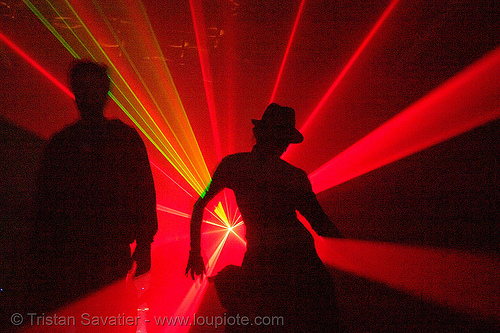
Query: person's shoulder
x=66, y=133
x=121, y=129
x=235, y=158
x=293, y=171
x=120, y=125
x=292, y=168
x=233, y=161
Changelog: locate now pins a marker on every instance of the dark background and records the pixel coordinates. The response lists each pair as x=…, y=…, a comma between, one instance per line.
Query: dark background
x=445, y=197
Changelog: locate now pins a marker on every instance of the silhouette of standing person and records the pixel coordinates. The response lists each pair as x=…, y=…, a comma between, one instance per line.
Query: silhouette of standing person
x=96, y=196
x=281, y=274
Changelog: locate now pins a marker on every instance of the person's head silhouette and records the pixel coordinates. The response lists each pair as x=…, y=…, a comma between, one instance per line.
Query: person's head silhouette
x=276, y=130
x=90, y=84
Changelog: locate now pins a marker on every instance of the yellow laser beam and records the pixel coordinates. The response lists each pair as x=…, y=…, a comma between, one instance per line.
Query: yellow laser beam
x=145, y=92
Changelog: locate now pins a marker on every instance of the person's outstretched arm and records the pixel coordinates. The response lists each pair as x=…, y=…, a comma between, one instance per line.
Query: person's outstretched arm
x=196, y=265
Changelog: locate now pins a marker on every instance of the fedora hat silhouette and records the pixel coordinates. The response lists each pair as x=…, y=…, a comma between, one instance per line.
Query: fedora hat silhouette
x=280, y=120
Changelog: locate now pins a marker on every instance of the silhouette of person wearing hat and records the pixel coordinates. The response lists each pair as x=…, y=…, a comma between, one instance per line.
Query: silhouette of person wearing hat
x=281, y=274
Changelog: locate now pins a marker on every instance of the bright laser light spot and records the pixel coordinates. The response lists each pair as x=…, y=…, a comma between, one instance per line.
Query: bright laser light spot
x=229, y=225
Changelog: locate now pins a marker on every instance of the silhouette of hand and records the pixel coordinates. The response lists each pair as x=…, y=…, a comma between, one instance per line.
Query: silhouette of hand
x=195, y=265
x=142, y=257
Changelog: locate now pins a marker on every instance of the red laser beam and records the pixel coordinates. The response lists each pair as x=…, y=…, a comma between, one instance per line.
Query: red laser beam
x=463, y=281
x=349, y=64
x=173, y=181
x=468, y=100
x=230, y=71
x=35, y=65
x=287, y=51
x=201, y=41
